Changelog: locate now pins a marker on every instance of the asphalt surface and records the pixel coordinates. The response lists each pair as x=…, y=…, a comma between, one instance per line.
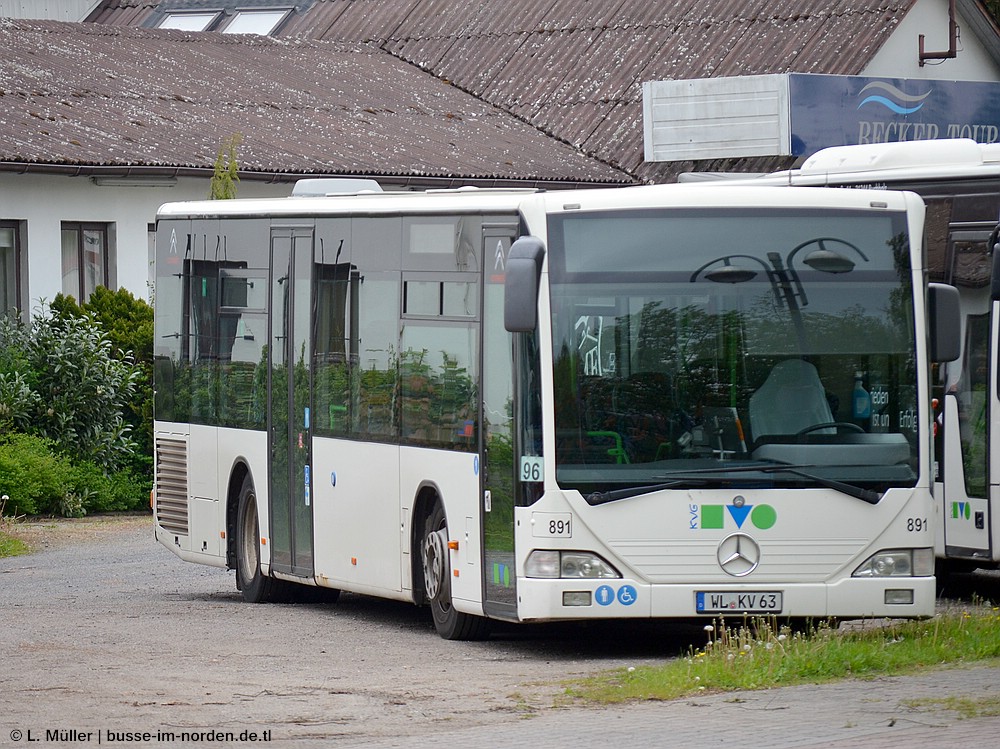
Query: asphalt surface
x=891, y=713
x=106, y=636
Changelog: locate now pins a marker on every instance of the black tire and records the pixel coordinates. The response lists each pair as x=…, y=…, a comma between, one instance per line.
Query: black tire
x=436, y=567
x=256, y=587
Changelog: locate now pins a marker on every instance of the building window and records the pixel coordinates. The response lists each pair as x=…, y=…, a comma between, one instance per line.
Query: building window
x=263, y=17
x=189, y=21
x=261, y=22
x=10, y=268
x=85, y=259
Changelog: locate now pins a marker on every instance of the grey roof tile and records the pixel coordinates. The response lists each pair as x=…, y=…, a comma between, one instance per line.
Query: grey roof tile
x=101, y=95
x=574, y=68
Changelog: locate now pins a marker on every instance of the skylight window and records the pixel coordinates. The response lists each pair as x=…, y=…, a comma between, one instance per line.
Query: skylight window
x=261, y=22
x=188, y=21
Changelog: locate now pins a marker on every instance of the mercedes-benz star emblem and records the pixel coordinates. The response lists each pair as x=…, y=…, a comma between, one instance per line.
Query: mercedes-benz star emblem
x=738, y=554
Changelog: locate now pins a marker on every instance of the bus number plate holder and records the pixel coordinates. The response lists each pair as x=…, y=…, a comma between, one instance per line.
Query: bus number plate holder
x=738, y=602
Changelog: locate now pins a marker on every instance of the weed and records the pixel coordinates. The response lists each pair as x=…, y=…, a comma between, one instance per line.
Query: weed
x=10, y=544
x=967, y=707
x=760, y=653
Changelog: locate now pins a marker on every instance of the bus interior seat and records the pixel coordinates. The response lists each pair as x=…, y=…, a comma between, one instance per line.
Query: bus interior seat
x=791, y=399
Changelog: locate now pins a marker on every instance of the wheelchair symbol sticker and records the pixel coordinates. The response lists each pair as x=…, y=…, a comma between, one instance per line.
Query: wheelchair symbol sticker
x=627, y=595
x=605, y=595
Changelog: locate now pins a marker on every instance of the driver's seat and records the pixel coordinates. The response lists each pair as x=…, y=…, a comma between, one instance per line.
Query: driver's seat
x=791, y=399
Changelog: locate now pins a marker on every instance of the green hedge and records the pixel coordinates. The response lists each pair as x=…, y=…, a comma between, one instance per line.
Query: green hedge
x=38, y=480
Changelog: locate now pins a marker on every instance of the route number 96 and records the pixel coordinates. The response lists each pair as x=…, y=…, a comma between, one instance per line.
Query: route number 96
x=532, y=468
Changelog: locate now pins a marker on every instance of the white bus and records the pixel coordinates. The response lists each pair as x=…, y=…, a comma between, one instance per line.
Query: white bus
x=959, y=180
x=532, y=406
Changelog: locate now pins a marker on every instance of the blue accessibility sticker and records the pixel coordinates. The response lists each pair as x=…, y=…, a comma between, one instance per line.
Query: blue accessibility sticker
x=627, y=595
x=605, y=595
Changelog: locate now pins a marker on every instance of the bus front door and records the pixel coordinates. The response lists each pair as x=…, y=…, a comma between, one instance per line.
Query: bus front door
x=289, y=423
x=969, y=408
x=497, y=456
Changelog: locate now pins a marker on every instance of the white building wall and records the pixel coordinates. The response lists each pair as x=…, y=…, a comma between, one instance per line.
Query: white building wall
x=43, y=202
x=51, y=10
x=899, y=56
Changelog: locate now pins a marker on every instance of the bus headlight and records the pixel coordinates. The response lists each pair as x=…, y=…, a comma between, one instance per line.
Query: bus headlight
x=898, y=563
x=567, y=564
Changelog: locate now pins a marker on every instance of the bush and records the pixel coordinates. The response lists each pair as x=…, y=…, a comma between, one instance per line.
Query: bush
x=69, y=407
x=128, y=323
x=32, y=475
x=18, y=402
x=41, y=481
x=100, y=492
x=70, y=387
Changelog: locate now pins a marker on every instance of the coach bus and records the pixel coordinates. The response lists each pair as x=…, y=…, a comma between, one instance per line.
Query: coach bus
x=959, y=180
x=536, y=406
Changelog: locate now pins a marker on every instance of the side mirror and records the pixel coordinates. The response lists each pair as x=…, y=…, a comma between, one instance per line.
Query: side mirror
x=520, y=289
x=944, y=319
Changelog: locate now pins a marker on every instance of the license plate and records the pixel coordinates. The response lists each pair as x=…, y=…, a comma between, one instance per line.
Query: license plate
x=732, y=602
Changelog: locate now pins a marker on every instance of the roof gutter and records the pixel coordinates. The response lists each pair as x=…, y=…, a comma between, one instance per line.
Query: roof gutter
x=403, y=181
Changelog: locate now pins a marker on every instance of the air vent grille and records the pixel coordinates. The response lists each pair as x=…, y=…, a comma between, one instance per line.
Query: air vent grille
x=172, y=485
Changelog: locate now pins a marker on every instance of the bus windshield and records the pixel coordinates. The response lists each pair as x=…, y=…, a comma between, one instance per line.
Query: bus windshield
x=709, y=348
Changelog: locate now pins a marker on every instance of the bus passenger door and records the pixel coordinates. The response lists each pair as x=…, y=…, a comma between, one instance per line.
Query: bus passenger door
x=289, y=402
x=496, y=449
x=970, y=407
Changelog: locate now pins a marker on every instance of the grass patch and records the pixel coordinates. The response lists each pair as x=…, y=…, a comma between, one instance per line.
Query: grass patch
x=760, y=654
x=10, y=544
x=967, y=707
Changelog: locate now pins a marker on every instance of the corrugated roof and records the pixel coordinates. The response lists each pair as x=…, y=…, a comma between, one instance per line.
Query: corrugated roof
x=574, y=68
x=92, y=95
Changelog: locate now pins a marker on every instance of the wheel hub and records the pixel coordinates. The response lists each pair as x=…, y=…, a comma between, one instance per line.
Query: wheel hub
x=434, y=561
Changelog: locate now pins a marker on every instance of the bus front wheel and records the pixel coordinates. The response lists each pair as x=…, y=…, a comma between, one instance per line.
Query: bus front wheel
x=434, y=557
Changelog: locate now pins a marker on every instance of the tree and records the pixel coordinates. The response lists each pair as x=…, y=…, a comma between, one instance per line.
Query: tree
x=226, y=178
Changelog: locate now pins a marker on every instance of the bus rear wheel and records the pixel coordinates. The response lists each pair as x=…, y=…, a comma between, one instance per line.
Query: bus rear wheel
x=255, y=586
x=434, y=557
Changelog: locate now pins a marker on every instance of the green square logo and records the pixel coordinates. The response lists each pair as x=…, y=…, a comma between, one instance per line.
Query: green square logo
x=712, y=516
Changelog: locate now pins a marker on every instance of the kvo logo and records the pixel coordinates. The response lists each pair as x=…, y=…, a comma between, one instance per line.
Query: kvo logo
x=738, y=513
x=961, y=510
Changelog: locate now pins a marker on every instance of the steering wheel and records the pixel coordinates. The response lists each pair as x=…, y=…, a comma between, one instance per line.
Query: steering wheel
x=835, y=424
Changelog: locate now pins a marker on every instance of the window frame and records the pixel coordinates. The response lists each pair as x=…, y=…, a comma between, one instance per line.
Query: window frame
x=19, y=282
x=80, y=293
x=224, y=14
x=213, y=14
x=238, y=13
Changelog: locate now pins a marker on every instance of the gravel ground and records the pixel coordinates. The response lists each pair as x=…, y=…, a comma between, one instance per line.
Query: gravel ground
x=104, y=630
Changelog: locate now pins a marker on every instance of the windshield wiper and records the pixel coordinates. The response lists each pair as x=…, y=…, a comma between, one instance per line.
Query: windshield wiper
x=687, y=478
x=600, y=498
x=865, y=495
x=701, y=475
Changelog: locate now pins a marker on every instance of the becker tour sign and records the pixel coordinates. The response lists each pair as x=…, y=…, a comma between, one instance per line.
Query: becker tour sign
x=838, y=110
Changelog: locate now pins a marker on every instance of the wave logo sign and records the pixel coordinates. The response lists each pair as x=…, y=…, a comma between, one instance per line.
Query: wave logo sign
x=892, y=98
